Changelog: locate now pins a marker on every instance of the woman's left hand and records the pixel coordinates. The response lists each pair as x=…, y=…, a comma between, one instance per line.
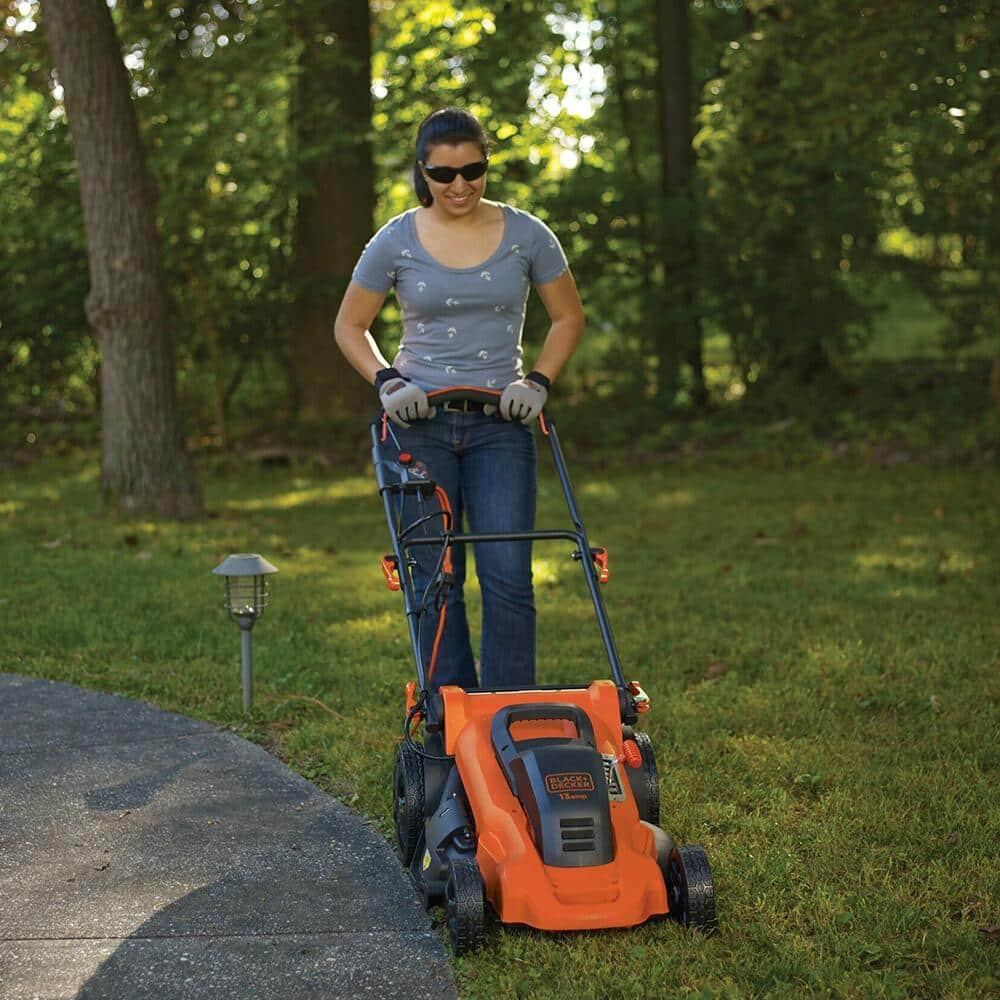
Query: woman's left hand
x=523, y=400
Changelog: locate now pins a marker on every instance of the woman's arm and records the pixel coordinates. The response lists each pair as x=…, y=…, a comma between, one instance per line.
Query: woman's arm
x=357, y=312
x=562, y=303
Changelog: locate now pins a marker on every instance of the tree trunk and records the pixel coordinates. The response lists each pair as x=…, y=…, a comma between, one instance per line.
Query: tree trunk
x=336, y=200
x=650, y=309
x=143, y=465
x=995, y=382
x=684, y=340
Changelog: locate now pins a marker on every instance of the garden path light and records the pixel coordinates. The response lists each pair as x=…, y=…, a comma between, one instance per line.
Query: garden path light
x=246, y=597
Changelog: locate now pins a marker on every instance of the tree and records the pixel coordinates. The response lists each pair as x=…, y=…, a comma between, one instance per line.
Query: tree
x=143, y=464
x=786, y=160
x=225, y=214
x=332, y=119
x=676, y=166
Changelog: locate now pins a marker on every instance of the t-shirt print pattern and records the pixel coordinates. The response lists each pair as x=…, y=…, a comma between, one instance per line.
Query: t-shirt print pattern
x=461, y=326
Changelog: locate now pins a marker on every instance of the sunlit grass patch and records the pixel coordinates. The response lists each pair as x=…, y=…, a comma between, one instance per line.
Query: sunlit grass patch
x=368, y=625
x=911, y=562
x=599, y=489
x=545, y=572
x=670, y=498
x=302, y=495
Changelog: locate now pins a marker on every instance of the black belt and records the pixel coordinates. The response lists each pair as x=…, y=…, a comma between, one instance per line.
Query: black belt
x=462, y=406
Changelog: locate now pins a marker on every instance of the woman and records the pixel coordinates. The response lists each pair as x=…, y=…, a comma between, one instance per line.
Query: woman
x=462, y=267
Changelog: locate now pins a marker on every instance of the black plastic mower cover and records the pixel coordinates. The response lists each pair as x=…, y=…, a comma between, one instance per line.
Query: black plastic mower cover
x=560, y=783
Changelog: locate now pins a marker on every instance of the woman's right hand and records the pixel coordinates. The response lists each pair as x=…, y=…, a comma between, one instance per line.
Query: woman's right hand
x=404, y=400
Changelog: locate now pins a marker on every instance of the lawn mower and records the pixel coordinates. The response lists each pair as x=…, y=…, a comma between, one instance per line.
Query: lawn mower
x=540, y=804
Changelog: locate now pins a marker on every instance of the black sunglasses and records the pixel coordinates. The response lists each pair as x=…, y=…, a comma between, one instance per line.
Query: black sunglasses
x=445, y=175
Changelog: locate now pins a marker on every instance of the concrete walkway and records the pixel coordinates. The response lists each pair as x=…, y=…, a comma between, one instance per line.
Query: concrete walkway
x=146, y=855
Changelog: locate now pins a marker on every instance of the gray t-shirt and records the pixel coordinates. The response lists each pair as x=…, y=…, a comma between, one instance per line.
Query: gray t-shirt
x=461, y=325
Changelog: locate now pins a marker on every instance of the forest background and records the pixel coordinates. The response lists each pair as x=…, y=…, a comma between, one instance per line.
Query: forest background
x=774, y=209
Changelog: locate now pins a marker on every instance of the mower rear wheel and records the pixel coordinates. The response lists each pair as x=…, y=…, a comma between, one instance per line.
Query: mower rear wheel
x=465, y=906
x=645, y=781
x=407, y=801
x=690, y=889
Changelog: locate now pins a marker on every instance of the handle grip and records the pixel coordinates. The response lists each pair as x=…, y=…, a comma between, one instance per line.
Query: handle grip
x=472, y=393
x=536, y=711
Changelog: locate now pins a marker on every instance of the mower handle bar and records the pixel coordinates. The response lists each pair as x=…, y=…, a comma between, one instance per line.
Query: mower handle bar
x=579, y=535
x=461, y=393
x=544, y=534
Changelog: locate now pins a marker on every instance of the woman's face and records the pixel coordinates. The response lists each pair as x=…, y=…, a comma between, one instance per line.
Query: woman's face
x=459, y=197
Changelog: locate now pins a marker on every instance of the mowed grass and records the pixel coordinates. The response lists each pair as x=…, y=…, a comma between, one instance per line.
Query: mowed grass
x=820, y=645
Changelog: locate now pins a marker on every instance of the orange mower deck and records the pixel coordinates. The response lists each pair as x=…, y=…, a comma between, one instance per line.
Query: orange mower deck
x=522, y=889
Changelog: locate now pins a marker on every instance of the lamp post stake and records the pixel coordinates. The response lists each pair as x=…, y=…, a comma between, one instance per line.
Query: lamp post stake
x=247, y=668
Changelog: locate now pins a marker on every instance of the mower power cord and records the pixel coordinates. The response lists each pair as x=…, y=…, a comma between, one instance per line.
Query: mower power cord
x=408, y=736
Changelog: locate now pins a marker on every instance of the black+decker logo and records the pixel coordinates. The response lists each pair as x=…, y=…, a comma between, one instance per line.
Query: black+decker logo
x=573, y=781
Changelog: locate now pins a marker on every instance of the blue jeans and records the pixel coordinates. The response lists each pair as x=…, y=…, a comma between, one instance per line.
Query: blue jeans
x=486, y=465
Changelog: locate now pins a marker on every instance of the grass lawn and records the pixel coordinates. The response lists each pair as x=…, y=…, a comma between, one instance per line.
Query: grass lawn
x=821, y=645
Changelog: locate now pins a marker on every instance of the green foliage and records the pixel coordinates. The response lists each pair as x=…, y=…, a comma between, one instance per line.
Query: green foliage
x=802, y=173
x=212, y=97
x=785, y=172
x=945, y=154
x=836, y=146
x=46, y=353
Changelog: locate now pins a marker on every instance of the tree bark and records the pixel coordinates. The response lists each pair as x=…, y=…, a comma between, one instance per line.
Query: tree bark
x=677, y=164
x=336, y=200
x=651, y=306
x=144, y=468
x=995, y=382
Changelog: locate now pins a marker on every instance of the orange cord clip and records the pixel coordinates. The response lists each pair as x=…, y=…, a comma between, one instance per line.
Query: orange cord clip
x=541, y=423
x=385, y=427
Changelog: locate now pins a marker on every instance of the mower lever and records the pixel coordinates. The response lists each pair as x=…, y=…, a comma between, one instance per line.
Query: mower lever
x=599, y=555
x=390, y=570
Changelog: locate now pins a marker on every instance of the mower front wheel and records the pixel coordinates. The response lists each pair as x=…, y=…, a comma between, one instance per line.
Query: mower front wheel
x=690, y=888
x=407, y=801
x=465, y=906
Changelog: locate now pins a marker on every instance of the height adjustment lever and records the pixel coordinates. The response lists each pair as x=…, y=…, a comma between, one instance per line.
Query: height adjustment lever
x=390, y=570
x=599, y=555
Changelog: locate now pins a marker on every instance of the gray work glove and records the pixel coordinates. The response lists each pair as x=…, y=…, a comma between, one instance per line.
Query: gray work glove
x=523, y=400
x=402, y=399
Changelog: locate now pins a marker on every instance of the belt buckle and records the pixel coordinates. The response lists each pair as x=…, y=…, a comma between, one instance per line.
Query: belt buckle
x=456, y=406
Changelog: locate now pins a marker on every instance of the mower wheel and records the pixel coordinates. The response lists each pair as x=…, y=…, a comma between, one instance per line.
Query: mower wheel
x=645, y=781
x=407, y=801
x=690, y=888
x=465, y=906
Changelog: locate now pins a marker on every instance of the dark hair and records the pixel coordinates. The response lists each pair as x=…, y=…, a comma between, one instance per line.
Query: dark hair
x=446, y=126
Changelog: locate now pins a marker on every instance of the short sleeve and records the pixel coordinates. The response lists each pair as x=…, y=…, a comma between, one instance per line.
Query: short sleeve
x=547, y=258
x=376, y=267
